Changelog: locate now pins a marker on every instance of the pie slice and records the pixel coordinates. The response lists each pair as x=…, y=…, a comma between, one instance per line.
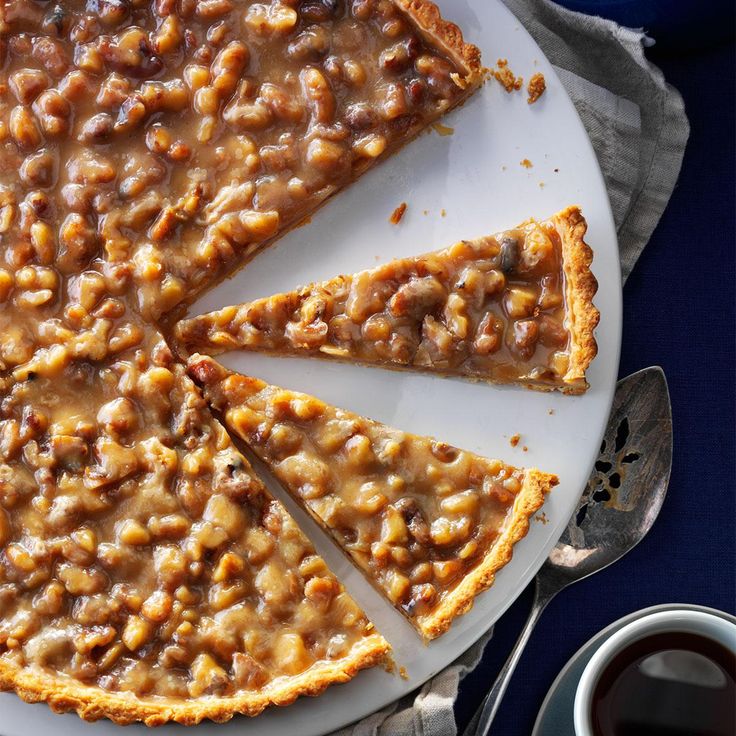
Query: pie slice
x=145, y=572
x=511, y=307
x=429, y=524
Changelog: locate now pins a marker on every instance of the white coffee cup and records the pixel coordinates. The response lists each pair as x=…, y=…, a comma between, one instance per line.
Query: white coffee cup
x=696, y=622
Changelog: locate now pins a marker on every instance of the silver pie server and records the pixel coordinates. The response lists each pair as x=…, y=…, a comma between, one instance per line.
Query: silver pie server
x=620, y=502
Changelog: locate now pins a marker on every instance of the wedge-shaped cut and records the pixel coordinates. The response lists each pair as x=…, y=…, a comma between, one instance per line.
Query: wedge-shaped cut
x=512, y=307
x=145, y=572
x=429, y=524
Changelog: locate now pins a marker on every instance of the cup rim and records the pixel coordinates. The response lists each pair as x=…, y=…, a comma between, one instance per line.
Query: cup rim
x=668, y=620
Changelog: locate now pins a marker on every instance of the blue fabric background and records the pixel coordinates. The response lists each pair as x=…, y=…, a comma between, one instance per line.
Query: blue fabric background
x=678, y=313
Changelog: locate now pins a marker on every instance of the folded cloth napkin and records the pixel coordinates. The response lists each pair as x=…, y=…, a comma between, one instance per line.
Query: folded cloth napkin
x=635, y=120
x=638, y=127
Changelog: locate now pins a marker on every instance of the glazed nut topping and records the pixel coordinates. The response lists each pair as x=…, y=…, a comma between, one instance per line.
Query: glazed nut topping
x=139, y=552
x=167, y=140
x=416, y=514
x=499, y=308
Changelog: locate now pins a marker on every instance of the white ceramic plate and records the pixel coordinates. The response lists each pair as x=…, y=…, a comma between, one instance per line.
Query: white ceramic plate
x=470, y=183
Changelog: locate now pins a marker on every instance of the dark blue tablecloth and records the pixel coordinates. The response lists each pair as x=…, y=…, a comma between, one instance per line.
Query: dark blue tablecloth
x=678, y=313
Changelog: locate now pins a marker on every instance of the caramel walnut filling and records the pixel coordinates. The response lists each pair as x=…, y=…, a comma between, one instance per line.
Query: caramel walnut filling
x=172, y=139
x=141, y=554
x=147, y=147
x=428, y=523
x=512, y=307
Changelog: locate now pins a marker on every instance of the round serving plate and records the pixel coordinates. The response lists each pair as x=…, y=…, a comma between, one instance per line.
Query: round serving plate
x=458, y=185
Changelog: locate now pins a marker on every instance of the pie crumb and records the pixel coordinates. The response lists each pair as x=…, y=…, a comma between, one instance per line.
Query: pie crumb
x=541, y=185
x=397, y=214
x=535, y=88
x=403, y=674
x=443, y=212
x=550, y=411
x=526, y=163
x=514, y=440
x=443, y=129
x=525, y=448
x=542, y=517
x=509, y=81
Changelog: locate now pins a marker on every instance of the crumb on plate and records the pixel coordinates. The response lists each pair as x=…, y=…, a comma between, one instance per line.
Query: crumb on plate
x=535, y=88
x=526, y=163
x=514, y=439
x=443, y=129
x=509, y=81
x=397, y=214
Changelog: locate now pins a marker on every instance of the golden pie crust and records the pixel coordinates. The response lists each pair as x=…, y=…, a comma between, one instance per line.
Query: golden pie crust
x=92, y=703
x=429, y=525
x=448, y=36
x=581, y=287
x=514, y=307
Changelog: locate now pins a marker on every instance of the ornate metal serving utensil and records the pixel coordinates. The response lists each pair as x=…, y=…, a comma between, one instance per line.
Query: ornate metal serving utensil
x=618, y=507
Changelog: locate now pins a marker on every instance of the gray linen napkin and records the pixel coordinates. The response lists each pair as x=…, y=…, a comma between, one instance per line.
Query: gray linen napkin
x=638, y=127
x=635, y=120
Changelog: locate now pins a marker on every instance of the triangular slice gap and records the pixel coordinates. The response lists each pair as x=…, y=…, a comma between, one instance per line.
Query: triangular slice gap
x=430, y=525
x=514, y=307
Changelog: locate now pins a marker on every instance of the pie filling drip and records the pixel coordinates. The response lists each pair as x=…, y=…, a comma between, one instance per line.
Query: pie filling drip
x=417, y=515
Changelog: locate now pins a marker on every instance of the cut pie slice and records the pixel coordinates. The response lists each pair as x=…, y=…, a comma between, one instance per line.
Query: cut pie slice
x=145, y=572
x=429, y=524
x=511, y=307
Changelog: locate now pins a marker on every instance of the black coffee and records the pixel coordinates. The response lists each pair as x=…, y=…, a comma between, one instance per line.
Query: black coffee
x=671, y=684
